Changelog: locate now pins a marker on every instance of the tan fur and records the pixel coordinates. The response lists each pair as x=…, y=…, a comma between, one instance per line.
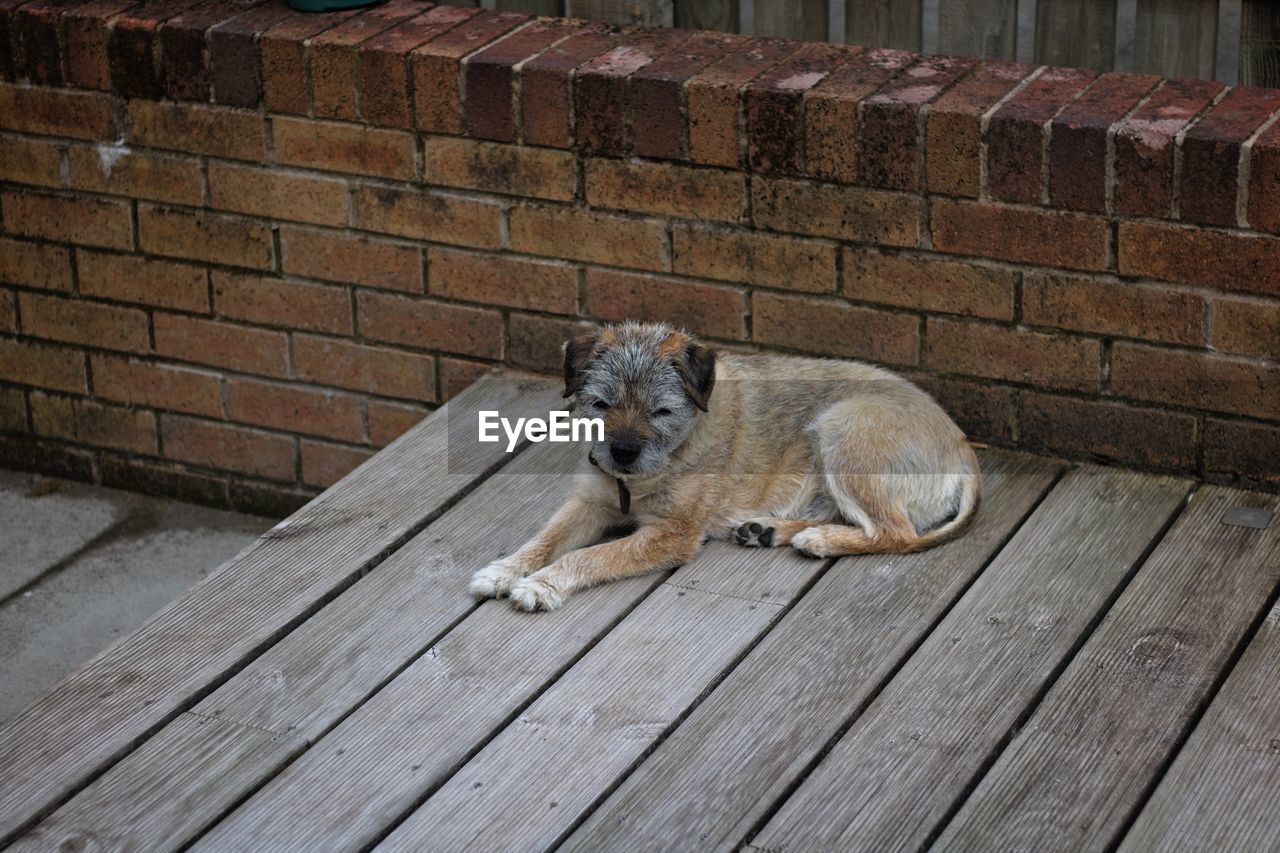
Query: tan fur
x=833, y=457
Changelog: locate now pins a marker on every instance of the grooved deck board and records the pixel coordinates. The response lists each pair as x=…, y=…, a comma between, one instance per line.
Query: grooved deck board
x=1081, y=766
x=733, y=757
x=95, y=716
x=892, y=778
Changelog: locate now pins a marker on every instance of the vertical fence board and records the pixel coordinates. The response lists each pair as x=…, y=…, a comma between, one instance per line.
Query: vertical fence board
x=532, y=7
x=802, y=19
x=1076, y=33
x=1260, y=44
x=719, y=15
x=884, y=23
x=651, y=13
x=978, y=28
x=1175, y=38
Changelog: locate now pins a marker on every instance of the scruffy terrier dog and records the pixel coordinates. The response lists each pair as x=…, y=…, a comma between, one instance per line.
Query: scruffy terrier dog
x=829, y=457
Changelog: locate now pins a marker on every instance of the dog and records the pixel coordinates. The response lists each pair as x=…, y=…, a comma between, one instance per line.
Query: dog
x=827, y=457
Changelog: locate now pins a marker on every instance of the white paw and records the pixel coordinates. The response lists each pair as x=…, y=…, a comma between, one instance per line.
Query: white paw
x=495, y=579
x=811, y=541
x=534, y=593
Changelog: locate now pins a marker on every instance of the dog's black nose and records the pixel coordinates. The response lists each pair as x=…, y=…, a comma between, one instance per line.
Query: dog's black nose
x=624, y=452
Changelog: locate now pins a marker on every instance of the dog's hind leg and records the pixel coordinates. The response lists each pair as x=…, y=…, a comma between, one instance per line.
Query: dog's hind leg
x=769, y=532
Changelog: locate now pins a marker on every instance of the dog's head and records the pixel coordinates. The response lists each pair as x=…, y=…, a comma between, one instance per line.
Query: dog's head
x=647, y=382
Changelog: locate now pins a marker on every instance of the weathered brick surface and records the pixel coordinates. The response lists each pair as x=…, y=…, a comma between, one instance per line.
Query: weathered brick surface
x=1264, y=181
x=175, y=180
x=601, y=89
x=8, y=311
x=1019, y=234
x=35, y=265
x=1192, y=379
x=953, y=130
x=41, y=365
x=162, y=386
x=68, y=219
x=346, y=148
x=146, y=281
x=753, y=258
x=35, y=31
x=384, y=64
x=773, y=106
x=133, y=46
x=325, y=464
x=706, y=309
x=216, y=131
x=834, y=328
x=389, y=421
x=1016, y=133
x=353, y=260
x=831, y=108
x=457, y=374
x=490, y=77
x=283, y=58
x=277, y=195
x=825, y=210
x=85, y=30
x=282, y=303
x=1004, y=353
x=539, y=286
x=1109, y=431
x=93, y=424
x=1216, y=259
x=293, y=408
x=72, y=321
x=1119, y=308
x=218, y=344
x=184, y=63
x=508, y=169
x=228, y=447
x=1246, y=327
x=429, y=216
x=1211, y=154
x=235, y=64
x=712, y=98
x=587, y=236
x=30, y=161
x=437, y=67
x=666, y=189
x=546, y=95
x=358, y=367
x=979, y=409
x=1144, y=144
x=431, y=325
x=334, y=58
x=930, y=284
x=202, y=236
x=536, y=341
x=1234, y=448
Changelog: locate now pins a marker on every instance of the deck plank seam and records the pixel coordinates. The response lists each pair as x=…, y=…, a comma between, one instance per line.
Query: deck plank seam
x=1079, y=643
x=226, y=721
x=728, y=595
x=745, y=843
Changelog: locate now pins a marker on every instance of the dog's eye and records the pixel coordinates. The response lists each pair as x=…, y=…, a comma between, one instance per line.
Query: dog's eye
x=601, y=405
x=661, y=413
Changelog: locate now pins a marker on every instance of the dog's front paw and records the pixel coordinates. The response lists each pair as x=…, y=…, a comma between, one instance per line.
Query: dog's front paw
x=753, y=534
x=495, y=580
x=812, y=542
x=534, y=593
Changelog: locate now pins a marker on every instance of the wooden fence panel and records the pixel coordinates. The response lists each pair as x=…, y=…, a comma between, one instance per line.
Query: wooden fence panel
x=983, y=28
x=1175, y=38
x=1076, y=33
x=883, y=23
x=801, y=19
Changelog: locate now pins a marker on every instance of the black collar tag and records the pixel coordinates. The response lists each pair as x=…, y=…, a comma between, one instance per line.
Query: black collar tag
x=624, y=494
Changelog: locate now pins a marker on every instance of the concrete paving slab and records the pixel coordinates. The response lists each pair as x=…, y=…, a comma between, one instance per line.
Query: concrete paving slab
x=145, y=553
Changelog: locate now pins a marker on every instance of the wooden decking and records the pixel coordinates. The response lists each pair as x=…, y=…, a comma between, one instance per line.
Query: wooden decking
x=1095, y=664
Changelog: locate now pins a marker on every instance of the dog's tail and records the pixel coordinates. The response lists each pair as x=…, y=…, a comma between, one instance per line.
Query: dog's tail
x=970, y=500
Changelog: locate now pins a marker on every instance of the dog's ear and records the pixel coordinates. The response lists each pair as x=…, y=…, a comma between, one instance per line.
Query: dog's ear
x=697, y=368
x=578, y=352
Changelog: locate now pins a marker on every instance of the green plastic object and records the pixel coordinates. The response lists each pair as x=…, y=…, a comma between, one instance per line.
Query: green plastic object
x=329, y=5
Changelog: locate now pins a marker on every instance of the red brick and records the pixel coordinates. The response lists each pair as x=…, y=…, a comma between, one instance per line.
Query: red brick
x=1078, y=140
x=825, y=210
x=129, y=278
x=294, y=409
x=8, y=36
x=132, y=47
x=1144, y=144
x=13, y=410
x=1242, y=449
x=384, y=64
x=1018, y=234
x=68, y=219
x=186, y=51
x=429, y=216
x=1006, y=353
x=430, y=325
x=657, y=117
x=1197, y=380
x=1123, y=309
x=773, y=106
x=587, y=236
x=217, y=344
x=749, y=257
x=30, y=363
x=287, y=304
x=1211, y=154
x=85, y=32
x=204, y=236
x=891, y=118
x=274, y=194
x=30, y=161
x=536, y=342
x=373, y=370
x=712, y=98
x=1109, y=431
x=8, y=310
x=509, y=169
x=235, y=70
x=228, y=448
x=930, y=284
x=343, y=148
x=1016, y=132
x=545, y=95
x=35, y=31
x=282, y=49
x=389, y=421
x=953, y=129
x=708, y=309
x=91, y=423
x=1226, y=261
x=831, y=112
x=832, y=327
x=498, y=280
x=216, y=131
x=456, y=375
x=162, y=386
x=984, y=412
x=351, y=260
x=35, y=265
x=51, y=112
x=76, y=322
x=175, y=180
x=490, y=77
x=437, y=68
x=334, y=58
x=325, y=464
x=662, y=188
x=601, y=91
x=1264, y=181
x=1247, y=327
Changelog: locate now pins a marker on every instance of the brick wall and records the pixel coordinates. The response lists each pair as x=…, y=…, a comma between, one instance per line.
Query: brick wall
x=242, y=248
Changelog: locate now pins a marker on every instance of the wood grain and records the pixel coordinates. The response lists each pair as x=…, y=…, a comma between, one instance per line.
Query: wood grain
x=884, y=23
x=718, y=773
x=1081, y=766
x=801, y=19
x=1077, y=33
x=897, y=772
x=95, y=716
